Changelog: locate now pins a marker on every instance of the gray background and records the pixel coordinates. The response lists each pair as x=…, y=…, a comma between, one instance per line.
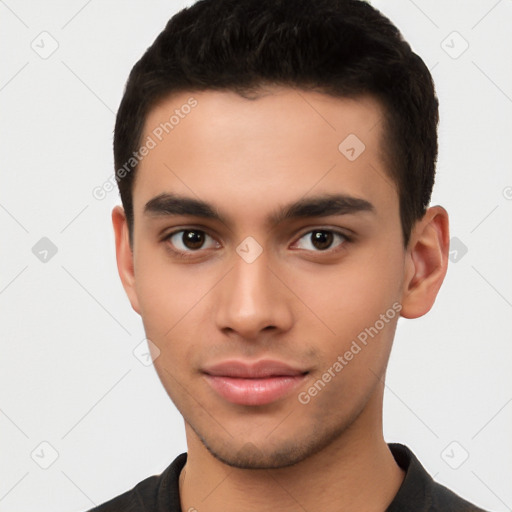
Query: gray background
x=75, y=397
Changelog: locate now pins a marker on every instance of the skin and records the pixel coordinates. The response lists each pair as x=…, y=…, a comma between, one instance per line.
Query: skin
x=295, y=303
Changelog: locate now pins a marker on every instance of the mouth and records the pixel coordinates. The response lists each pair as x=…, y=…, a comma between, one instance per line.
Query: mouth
x=258, y=383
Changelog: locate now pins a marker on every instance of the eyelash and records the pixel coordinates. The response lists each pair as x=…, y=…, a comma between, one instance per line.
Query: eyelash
x=192, y=253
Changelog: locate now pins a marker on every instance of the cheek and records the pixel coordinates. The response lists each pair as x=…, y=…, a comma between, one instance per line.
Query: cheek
x=358, y=305
x=166, y=292
x=172, y=299
x=342, y=300
x=351, y=368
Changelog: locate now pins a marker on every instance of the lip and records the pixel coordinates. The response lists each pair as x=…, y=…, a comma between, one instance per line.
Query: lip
x=259, y=383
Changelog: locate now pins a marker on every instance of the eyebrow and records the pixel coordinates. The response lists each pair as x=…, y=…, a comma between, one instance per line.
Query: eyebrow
x=318, y=206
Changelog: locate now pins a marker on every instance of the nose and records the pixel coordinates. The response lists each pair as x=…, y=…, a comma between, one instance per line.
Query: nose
x=252, y=299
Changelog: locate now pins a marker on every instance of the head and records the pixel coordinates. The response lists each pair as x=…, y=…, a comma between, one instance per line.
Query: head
x=294, y=143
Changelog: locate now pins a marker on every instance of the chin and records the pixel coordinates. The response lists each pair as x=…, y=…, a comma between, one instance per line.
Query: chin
x=249, y=456
x=267, y=454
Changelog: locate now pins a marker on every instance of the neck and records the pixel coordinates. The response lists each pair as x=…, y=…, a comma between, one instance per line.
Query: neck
x=355, y=472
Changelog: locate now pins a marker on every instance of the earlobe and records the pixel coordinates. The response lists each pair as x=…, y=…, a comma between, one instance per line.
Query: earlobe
x=426, y=262
x=124, y=256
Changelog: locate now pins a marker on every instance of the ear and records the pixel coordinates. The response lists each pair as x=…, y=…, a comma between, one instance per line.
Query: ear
x=426, y=262
x=124, y=256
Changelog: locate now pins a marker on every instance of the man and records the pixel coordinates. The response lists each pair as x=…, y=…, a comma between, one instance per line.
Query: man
x=276, y=161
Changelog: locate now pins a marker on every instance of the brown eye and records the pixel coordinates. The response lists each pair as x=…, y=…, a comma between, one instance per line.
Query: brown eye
x=190, y=240
x=320, y=240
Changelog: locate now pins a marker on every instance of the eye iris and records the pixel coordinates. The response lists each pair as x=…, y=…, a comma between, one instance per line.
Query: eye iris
x=193, y=239
x=322, y=239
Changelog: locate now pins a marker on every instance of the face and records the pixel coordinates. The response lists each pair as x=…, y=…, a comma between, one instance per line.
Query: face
x=268, y=267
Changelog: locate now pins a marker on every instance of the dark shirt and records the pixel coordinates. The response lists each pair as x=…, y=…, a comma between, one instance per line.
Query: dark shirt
x=418, y=492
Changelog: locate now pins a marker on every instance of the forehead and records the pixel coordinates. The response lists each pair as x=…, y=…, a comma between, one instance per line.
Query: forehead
x=249, y=154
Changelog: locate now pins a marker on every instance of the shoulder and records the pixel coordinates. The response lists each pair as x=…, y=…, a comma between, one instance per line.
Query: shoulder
x=444, y=499
x=419, y=491
x=155, y=493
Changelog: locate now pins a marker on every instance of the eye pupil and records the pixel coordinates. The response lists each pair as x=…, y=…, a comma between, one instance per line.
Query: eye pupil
x=193, y=239
x=322, y=239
